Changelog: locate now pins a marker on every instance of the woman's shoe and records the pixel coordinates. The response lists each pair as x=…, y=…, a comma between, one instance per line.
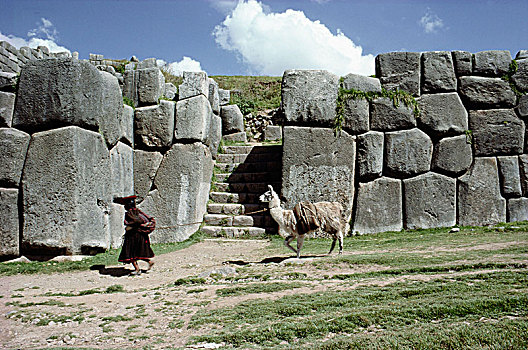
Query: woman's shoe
x=135, y=273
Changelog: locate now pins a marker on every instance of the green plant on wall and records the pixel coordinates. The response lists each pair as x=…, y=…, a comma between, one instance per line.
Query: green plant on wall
x=514, y=66
x=396, y=96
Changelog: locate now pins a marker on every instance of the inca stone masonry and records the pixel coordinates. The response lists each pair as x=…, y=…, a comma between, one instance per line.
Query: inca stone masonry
x=68, y=146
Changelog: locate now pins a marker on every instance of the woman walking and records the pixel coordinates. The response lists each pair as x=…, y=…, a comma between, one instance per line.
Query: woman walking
x=136, y=245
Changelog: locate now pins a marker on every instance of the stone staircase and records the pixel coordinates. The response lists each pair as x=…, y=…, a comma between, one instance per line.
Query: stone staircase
x=242, y=174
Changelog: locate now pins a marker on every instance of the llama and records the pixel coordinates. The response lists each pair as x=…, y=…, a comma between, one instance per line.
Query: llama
x=306, y=218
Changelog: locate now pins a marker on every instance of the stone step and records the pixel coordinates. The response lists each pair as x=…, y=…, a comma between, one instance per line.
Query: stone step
x=250, y=167
x=263, y=177
x=243, y=158
x=247, y=149
x=242, y=198
x=220, y=231
x=252, y=187
x=239, y=220
x=236, y=208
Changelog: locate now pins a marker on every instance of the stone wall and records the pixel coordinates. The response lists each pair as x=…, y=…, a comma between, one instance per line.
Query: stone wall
x=12, y=59
x=69, y=147
x=461, y=161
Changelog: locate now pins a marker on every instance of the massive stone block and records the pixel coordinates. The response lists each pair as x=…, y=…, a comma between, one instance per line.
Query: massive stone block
x=66, y=191
x=370, y=155
x=116, y=225
x=8, y=81
x=155, y=125
x=438, y=72
x=356, y=116
x=318, y=166
x=442, y=114
x=481, y=92
x=452, y=155
x=232, y=119
x=13, y=148
x=463, y=61
x=496, y=132
x=214, y=97
x=150, y=86
x=126, y=125
x=9, y=230
x=193, y=119
x=379, y=206
x=517, y=209
x=225, y=97
x=385, y=116
x=479, y=198
x=182, y=189
x=430, y=201
x=57, y=92
x=493, y=63
x=112, y=124
x=146, y=165
x=399, y=70
x=170, y=91
x=522, y=107
x=215, y=134
x=122, y=170
x=309, y=97
x=194, y=84
x=520, y=78
x=407, y=153
x=509, y=176
x=7, y=106
x=523, y=172
x=361, y=83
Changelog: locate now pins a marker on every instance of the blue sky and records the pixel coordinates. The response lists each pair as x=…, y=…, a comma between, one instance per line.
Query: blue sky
x=250, y=37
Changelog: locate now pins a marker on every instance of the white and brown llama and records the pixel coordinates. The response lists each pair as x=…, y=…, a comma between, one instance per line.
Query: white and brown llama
x=306, y=218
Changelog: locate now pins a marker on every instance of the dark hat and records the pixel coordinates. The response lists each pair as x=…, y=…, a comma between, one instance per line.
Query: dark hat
x=124, y=200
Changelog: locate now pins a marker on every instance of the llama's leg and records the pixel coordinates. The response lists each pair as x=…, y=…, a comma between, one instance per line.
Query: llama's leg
x=287, y=242
x=340, y=237
x=300, y=241
x=333, y=245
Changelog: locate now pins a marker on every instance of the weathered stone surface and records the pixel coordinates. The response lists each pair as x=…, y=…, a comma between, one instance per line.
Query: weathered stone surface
x=66, y=191
x=237, y=137
x=442, y=114
x=309, y=96
x=116, y=225
x=215, y=134
x=399, y=70
x=509, y=176
x=224, y=96
x=182, y=190
x=517, y=209
x=194, y=84
x=150, y=86
x=273, y=133
x=496, y=132
x=463, y=61
x=480, y=92
x=520, y=78
x=13, y=148
x=155, y=125
x=407, y=153
x=379, y=206
x=57, y=92
x=9, y=230
x=193, y=118
x=126, y=125
x=370, y=155
x=384, y=116
x=147, y=63
x=523, y=172
x=452, y=155
x=112, y=124
x=361, y=83
x=493, y=63
x=479, y=198
x=430, y=201
x=122, y=170
x=438, y=72
x=356, y=115
x=129, y=87
x=8, y=81
x=522, y=107
x=170, y=91
x=318, y=166
x=146, y=165
x=214, y=97
x=232, y=119
x=7, y=105
x=522, y=54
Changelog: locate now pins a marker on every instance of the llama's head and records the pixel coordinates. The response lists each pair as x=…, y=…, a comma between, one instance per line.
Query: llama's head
x=271, y=197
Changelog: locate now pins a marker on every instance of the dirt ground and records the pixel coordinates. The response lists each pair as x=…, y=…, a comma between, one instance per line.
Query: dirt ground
x=147, y=311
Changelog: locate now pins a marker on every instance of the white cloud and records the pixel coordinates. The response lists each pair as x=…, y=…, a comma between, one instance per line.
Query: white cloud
x=187, y=64
x=271, y=42
x=44, y=35
x=431, y=22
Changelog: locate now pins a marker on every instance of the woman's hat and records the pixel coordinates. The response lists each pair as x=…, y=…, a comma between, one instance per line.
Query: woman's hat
x=124, y=200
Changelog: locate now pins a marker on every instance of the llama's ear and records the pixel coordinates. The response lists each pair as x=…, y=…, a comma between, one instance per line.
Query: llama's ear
x=270, y=188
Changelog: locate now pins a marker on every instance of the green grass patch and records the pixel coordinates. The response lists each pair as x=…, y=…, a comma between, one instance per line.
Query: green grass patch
x=258, y=288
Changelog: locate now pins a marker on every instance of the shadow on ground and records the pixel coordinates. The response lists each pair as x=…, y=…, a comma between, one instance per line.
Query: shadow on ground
x=111, y=271
x=270, y=260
